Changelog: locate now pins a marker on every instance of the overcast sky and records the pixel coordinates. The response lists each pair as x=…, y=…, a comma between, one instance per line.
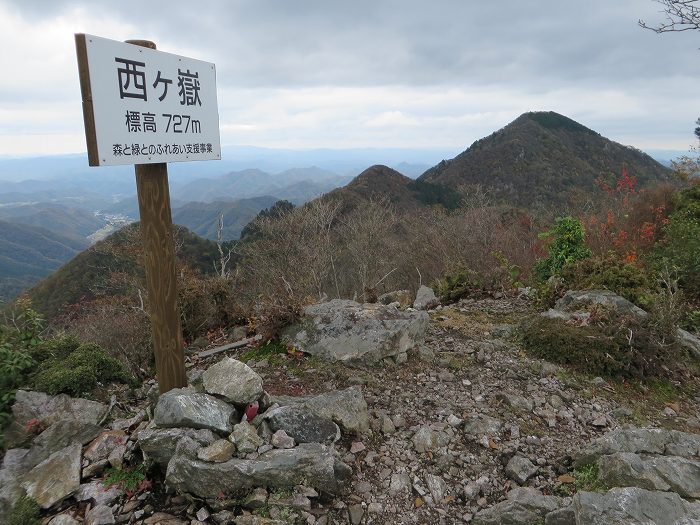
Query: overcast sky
x=378, y=73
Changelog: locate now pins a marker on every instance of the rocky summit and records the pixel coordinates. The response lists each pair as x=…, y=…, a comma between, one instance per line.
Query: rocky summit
x=401, y=416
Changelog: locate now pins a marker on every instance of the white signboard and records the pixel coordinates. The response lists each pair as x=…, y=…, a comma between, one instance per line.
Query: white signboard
x=143, y=106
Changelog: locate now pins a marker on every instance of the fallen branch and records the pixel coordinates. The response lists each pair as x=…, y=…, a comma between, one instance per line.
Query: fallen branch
x=230, y=346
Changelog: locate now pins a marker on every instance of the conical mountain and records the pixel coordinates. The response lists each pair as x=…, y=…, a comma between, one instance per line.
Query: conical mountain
x=544, y=159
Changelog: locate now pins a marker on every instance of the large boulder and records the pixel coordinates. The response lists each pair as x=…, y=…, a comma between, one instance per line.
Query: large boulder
x=159, y=444
x=43, y=410
x=55, y=478
x=665, y=473
x=522, y=506
x=641, y=441
x=311, y=465
x=346, y=407
x=233, y=380
x=183, y=408
x=303, y=425
x=634, y=506
x=574, y=300
x=425, y=298
x=343, y=330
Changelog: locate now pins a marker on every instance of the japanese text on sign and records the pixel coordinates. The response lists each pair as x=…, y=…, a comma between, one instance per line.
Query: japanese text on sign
x=156, y=106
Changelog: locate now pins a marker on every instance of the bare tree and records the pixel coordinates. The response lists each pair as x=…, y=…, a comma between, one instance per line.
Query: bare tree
x=681, y=15
x=224, y=258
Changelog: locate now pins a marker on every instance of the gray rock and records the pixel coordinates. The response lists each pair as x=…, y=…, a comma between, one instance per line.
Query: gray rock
x=280, y=439
x=233, y=380
x=641, y=441
x=346, y=407
x=245, y=437
x=218, y=452
x=48, y=410
x=425, y=297
x=63, y=519
x=308, y=464
x=304, y=426
x=399, y=483
x=664, y=473
x=523, y=506
x=159, y=444
x=182, y=408
x=425, y=440
x=575, y=300
x=98, y=493
x=343, y=330
x=689, y=342
x=516, y=401
x=10, y=476
x=565, y=516
x=256, y=499
x=436, y=486
x=58, y=436
x=634, y=506
x=481, y=425
x=103, y=445
x=356, y=513
x=99, y=515
x=55, y=478
x=520, y=469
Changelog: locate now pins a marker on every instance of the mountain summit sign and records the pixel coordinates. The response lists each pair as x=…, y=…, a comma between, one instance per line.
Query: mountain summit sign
x=143, y=106
x=147, y=108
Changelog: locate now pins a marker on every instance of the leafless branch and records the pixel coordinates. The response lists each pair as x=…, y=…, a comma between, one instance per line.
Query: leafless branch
x=681, y=15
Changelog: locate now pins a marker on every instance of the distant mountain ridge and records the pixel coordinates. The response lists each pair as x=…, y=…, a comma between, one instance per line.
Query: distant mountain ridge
x=29, y=253
x=544, y=159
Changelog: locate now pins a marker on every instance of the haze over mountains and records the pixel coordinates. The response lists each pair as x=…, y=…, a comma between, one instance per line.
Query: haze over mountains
x=540, y=160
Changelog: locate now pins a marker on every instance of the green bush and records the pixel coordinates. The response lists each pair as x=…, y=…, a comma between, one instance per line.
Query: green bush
x=568, y=245
x=681, y=243
x=609, y=273
x=613, y=347
x=456, y=285
x=25, y=512
x=75, y=369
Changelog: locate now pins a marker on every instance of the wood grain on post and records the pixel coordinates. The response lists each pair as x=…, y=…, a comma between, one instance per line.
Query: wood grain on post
x=159, y=261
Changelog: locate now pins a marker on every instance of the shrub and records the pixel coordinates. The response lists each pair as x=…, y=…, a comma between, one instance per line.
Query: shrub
x=681, y=242
x=25, y=512
x=613, y=347
x=454, y=286
x=567, y=246
x=609, y=272
x=79, y=371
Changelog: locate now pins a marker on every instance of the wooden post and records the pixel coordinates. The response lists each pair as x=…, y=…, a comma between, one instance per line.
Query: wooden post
x=159, y=260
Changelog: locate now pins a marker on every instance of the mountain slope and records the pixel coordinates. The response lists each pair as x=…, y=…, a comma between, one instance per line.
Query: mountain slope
x=544, y=159
x=402, y=192
x=70, y=222
x=91, y=272
x=28, y=253
x=203, y=217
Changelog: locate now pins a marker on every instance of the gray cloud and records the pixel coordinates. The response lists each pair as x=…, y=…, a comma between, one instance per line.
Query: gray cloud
x=523, y=51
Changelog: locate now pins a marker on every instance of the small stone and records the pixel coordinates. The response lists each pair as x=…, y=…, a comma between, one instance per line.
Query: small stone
x=246, y=438
x=99, y=515
x=202, y=514
x=454, y=421
x=520, y=469
x=356, y=447
x=387, y=425
x=600, y=421
x=356, y=513
x=256, y=499
x=399, y=483
x=218, y=452
x=280, y=439
x=425, y=440
x=375, y=508
x=436, y=486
